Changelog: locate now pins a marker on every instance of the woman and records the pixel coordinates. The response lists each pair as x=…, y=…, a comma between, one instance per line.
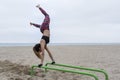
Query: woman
x=44, y=28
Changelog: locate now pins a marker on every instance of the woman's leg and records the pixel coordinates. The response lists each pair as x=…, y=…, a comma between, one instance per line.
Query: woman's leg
x=43, y=11
x=47, y=18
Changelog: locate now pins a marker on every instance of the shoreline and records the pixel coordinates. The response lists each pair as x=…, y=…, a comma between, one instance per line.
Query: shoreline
x=56, y=44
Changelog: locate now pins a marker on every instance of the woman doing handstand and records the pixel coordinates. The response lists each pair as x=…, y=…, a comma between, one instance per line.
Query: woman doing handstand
x=44, y=28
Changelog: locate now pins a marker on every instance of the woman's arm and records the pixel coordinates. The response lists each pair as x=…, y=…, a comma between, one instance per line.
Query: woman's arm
x=50, y=55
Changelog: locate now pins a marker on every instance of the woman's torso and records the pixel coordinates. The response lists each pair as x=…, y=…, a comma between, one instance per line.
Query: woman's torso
x=46, y=33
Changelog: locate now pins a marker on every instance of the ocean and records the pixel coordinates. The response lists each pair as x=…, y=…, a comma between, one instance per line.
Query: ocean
x=32, y=44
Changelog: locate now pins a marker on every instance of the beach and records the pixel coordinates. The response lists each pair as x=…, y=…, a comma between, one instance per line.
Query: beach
x=16, y=61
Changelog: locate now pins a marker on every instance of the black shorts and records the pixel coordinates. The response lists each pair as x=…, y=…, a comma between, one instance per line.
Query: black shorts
x=46, y=38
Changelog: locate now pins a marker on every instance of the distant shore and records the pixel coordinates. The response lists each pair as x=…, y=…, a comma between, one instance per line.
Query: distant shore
x=32, y=44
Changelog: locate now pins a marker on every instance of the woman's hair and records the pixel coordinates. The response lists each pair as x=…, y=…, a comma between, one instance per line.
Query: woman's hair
x=37, y=47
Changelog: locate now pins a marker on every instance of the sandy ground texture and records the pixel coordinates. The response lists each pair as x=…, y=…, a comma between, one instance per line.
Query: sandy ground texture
x=15, y=62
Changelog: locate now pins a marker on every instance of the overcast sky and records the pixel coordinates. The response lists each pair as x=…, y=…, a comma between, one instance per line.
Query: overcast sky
x=72, y=21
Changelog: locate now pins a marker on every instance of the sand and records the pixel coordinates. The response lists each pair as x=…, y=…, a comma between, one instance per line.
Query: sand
x=15, y=62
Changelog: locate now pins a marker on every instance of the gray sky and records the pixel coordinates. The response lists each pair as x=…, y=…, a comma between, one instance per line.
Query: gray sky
x=72, y=21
